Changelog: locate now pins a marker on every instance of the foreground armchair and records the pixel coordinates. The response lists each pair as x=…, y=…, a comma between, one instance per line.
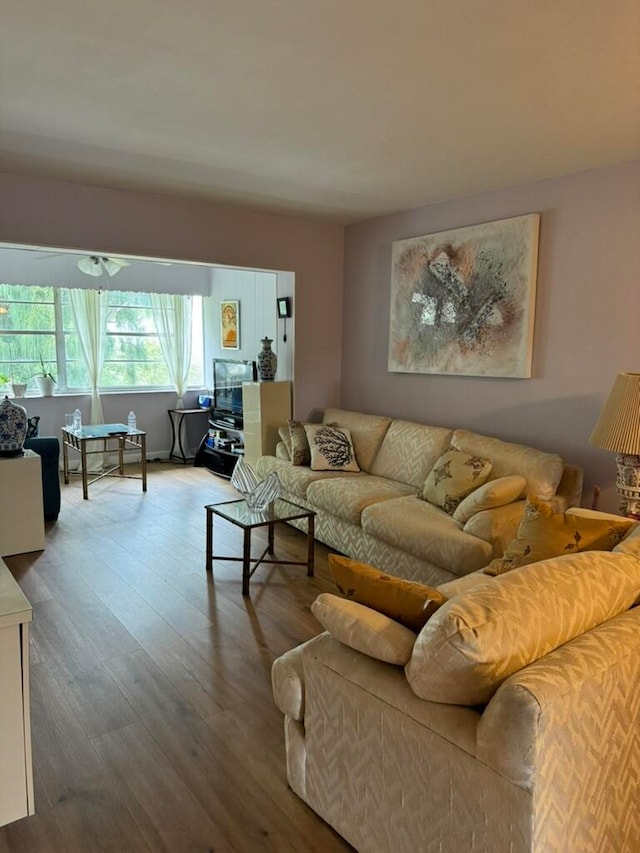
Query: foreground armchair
x=513, y=726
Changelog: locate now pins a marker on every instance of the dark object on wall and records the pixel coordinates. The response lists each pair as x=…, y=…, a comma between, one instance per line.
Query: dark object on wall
x=48, y=449
x=284, y=307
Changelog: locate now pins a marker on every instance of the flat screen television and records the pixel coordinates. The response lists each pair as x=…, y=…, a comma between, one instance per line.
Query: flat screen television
x=228, y=376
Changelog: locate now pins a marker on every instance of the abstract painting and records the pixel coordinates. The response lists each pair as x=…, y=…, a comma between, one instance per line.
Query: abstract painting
x=230, y=325
x=463, y=301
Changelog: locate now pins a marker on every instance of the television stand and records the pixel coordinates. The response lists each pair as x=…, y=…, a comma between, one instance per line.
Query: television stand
x=222, y=445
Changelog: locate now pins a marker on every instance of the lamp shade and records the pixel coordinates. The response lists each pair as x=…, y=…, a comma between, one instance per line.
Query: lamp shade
x=618, y=427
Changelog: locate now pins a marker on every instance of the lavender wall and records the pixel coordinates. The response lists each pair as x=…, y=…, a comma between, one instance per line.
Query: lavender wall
x=51, y=213
x=587, y=318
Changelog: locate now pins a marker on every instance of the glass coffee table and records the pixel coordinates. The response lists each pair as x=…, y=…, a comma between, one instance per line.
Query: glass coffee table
x=108, y=437
x=238, y=513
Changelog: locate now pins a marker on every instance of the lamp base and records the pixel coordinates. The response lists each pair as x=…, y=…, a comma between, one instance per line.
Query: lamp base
x=628, y=484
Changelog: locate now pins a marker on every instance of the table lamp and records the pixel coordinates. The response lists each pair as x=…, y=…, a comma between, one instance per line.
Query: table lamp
x=618, y=429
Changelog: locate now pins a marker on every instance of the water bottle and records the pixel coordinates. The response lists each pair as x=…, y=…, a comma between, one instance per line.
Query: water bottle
x=131, y=422
x=77, y=421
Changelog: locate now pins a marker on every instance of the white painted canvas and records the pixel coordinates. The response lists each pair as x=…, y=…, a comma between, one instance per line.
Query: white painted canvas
x=463, y=301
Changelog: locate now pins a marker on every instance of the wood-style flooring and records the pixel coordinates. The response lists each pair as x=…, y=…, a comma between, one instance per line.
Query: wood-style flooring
x=153, y=722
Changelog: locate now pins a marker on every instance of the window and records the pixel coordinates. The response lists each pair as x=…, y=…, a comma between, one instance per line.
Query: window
x=39, y=326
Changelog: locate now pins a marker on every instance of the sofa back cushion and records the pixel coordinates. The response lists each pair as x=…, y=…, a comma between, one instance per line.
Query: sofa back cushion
x=478, y=639
x=409, y=452
x=367, y=432
x=541, y=470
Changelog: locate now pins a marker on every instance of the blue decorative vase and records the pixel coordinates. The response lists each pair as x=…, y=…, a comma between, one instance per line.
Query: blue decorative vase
x=13, y=428
x=267, y=361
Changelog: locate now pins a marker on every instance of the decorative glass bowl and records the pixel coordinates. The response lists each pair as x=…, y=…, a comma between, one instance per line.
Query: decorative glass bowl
x=258, y=494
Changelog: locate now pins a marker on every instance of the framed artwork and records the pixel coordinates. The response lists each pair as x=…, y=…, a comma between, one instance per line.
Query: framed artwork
x=463, y=301
x=230, y=324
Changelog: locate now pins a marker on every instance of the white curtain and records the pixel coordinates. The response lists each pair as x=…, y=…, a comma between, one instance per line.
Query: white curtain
x=172, y=314
x=89, y=309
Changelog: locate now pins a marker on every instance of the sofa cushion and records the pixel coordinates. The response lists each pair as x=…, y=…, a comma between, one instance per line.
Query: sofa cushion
x=299, y=450
x=363, y=629
x=407, y=602
x=427, y=532
x=367, y=432
x=346, y=497
x=285, y=435
x=298, y=480
x=409, y=451
x=630, y=544
x=492, y=494
x=541, y=470
x=544, y=533
x=453, y=477
x=478, y=639
x=331, y=448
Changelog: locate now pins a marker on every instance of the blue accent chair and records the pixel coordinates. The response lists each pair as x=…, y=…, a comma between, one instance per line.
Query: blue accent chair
x=48, y=449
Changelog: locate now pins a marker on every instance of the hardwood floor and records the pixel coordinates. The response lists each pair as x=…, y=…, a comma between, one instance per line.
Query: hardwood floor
x=153, y=722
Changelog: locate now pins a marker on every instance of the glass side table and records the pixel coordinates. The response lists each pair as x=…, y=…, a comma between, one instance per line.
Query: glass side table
x=238, y=513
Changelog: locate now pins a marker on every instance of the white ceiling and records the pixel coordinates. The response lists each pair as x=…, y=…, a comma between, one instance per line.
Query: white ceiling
x=338, y=108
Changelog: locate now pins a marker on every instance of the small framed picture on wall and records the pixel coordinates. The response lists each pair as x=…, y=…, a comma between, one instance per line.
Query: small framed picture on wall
x=230, y=324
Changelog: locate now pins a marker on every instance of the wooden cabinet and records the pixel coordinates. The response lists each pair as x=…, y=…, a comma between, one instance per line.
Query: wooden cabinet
x=266, y=406
x=16, y=774
x=21, y=512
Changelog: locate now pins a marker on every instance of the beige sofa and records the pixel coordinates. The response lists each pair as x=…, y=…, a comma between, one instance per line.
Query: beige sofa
x=514, y=726
x=375, y=515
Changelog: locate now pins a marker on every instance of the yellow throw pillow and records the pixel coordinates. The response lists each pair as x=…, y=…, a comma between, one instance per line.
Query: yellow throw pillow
x=453, y=477
x=406, y=602
x=544, y=533
x=331, y=448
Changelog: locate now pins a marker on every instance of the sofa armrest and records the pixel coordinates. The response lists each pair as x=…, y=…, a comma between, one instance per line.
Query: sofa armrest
x=287, y=681
x=566, y=728
x=497, y=526
x=569, y=492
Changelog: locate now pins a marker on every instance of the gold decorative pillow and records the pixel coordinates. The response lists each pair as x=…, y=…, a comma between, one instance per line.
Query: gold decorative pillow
x=331, y=448
x=364, y=629
x=495, y=493
x=406, y=602
x=453, y=477
x=299, y=452
x=544, y=533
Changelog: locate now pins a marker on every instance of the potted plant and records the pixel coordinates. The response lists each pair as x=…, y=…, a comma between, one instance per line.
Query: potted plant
x=45, y=380
x=4, y=380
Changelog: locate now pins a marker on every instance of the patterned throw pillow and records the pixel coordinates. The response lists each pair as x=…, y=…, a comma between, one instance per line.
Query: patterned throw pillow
x=32, y=426
x=300, y=452
x=331, y=448
x=407, y=602
x=453, y=477
x=544, y=533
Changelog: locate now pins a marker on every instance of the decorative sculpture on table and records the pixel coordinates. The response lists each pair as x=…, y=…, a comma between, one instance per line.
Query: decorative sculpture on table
x=257, y=493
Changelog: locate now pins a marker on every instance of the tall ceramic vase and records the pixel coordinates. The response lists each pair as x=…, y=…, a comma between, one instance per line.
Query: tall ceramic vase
x=13, y=428
x=267, y=361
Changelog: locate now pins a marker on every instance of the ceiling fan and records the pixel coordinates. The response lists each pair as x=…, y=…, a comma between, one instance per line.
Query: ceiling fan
x=94, y=264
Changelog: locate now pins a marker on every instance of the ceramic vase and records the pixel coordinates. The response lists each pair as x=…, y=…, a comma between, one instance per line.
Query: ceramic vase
x=13, y=428
x=267, y=361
